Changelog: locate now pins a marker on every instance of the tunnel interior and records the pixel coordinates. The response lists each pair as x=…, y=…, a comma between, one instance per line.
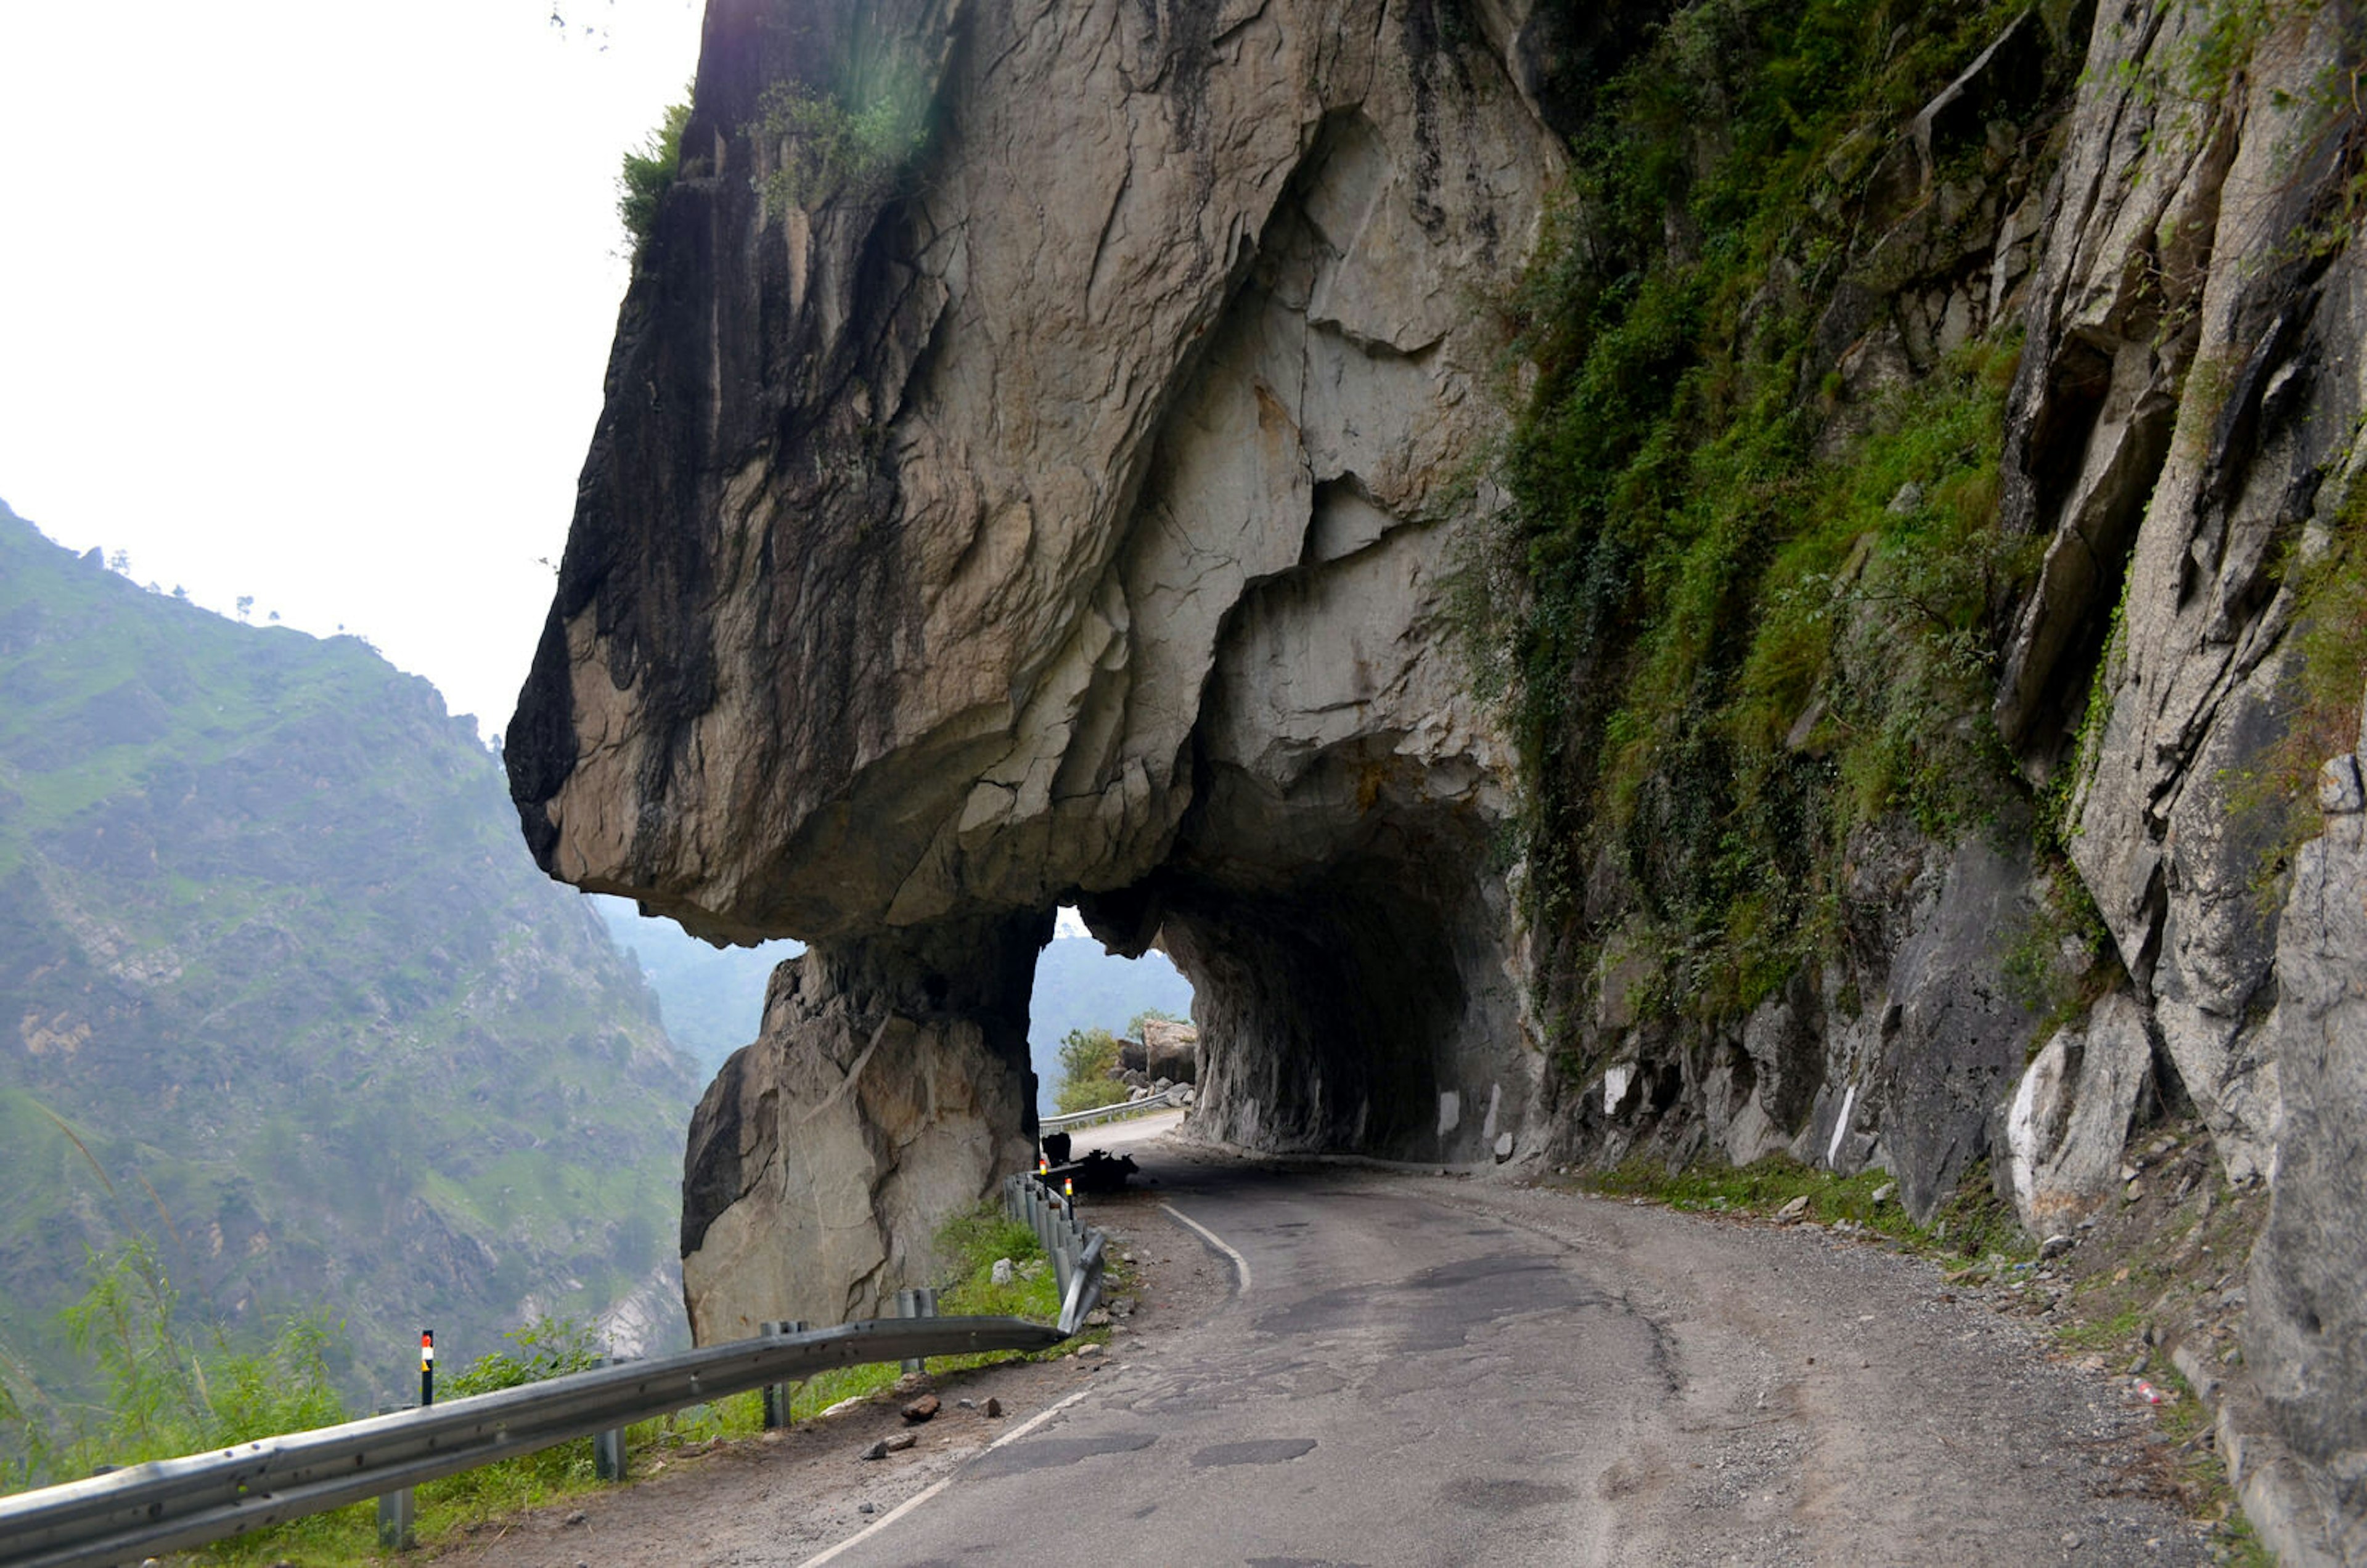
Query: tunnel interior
x=1352, y=1000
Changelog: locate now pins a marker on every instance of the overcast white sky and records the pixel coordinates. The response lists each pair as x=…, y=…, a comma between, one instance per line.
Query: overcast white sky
x=309, y=299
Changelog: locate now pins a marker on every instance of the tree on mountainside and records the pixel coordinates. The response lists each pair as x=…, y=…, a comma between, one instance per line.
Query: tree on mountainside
x=1088, y=1057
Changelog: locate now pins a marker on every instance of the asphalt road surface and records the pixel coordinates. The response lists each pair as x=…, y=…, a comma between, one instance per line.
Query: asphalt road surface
x=1418, y=1369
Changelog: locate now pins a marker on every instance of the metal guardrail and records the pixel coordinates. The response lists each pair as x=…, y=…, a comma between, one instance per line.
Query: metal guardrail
x=1077, y=1249
x=1161, y=1100
x=175, y=1503
x=168, y=1505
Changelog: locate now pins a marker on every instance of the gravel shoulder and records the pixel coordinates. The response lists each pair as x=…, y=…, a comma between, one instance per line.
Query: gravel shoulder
x=1880, y=1413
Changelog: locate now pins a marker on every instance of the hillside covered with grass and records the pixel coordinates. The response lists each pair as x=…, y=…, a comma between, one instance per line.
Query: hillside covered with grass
x=283, y=995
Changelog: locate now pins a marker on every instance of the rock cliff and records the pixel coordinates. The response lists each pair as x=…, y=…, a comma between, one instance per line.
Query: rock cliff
x=1784, y=629
x=1068, y=523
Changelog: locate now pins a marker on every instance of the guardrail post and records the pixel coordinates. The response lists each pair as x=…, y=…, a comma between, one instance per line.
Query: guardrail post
x=396, y=1510
x=1084, y=1290
x=608, y=1454
x=1063, y=1255
x=609, y=1447
x=921, y=1302
x=777, y=1394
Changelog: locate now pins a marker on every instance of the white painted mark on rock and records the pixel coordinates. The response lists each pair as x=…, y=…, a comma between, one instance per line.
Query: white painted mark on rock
x=1841, y=1124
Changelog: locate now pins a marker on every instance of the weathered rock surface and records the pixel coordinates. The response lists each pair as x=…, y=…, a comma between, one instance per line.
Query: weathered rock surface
x=2187, y=396
x=2068, y=1123
x=1064, y=518
x=1167, y=1050
x=1136, y=416
x=2306, y=1336
x=888, y=1089
x=2185, y=421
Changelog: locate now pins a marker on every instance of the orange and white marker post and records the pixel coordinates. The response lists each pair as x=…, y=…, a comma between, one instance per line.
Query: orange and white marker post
x=396, y=1510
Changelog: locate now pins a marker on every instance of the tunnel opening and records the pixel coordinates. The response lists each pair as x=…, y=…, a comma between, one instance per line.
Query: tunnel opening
x=1353, y=1001
x=1085, y=989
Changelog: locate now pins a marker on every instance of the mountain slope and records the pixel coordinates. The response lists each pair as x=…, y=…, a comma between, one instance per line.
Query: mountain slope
x=269, y=948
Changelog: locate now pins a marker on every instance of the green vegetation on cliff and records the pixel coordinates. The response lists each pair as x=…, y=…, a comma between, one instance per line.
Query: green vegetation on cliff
x=1762, y=577
x=648, y=170
x=283, y=993
x=1088, y=1058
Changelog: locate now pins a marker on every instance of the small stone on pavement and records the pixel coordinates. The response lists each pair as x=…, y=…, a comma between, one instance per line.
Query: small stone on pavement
x=922, y=1409
x=993, y=1408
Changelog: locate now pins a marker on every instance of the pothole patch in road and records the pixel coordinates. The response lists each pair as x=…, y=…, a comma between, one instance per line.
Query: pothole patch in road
x=1260, y=1450
x=1505, y=1495
x=1047, y=1453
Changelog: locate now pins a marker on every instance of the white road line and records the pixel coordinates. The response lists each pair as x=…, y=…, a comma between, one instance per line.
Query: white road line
x=909, y=1504
x=1215, y=1241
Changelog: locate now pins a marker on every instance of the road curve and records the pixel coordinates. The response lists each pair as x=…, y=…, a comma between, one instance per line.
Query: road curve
x=1427, y=1371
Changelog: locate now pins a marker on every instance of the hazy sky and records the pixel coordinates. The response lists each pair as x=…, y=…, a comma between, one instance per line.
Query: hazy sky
x=309, y=299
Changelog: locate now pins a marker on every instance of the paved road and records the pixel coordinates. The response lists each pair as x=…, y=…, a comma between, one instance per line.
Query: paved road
x=1425, y=1371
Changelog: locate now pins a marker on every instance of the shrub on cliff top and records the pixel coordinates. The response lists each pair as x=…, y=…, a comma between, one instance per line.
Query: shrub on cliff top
x=824, y=148
x=649, y=170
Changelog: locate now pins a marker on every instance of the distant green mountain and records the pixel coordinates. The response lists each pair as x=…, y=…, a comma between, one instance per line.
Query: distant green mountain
x=712, y=997
x=280, y=986
x=1080, y=984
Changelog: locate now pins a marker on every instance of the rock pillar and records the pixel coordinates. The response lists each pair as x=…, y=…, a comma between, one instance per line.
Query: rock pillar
x=888, y=1090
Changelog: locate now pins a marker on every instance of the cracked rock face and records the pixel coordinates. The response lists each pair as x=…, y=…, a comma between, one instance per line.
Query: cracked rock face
x=887, y=1091
x=2184, y=413
x=2306, y=1334
x=1065, y=516
x=2186, y=418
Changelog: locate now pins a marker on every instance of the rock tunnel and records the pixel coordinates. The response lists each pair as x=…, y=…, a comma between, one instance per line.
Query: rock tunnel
x=1073, y=514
